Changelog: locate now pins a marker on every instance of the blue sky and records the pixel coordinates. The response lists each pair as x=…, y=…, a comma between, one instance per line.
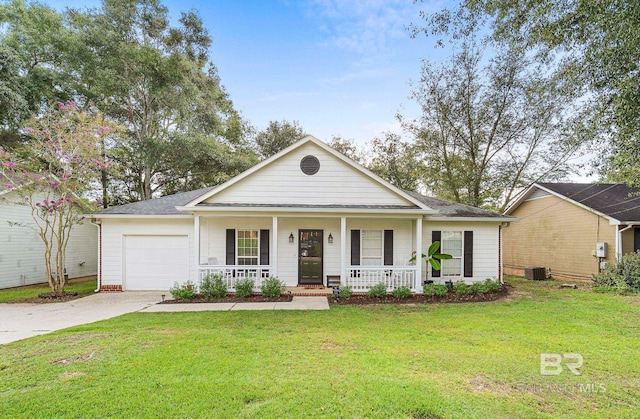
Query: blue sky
x=336, y=66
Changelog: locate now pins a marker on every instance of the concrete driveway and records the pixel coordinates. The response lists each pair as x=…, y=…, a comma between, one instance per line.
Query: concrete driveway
x=21, y=321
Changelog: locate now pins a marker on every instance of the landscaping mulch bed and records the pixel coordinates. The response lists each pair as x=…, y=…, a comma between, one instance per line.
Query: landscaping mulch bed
x=451, y=297
x=49, y=297
x=233, y=299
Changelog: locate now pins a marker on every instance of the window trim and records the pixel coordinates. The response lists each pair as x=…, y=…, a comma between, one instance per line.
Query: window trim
x=257, y=257
x=461, y=257
x=381, y=257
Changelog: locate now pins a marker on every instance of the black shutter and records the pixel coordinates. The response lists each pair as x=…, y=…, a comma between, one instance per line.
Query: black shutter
x=468, y=253
x=231, y=246
x=264, y=247
x=388, y=247
x=355, y=247
x=435, y=237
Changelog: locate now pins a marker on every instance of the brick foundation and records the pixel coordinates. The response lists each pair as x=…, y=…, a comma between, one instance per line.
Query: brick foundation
x=110, y=288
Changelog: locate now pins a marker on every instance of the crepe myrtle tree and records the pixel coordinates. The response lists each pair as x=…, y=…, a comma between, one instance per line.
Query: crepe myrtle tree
x=55, y=172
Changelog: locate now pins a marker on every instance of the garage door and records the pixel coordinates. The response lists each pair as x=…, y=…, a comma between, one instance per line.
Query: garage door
x=155, y=262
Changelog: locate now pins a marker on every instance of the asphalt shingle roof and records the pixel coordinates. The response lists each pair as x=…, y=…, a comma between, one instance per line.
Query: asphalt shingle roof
x=452, y=209
x=165, y=205
x=615, y=200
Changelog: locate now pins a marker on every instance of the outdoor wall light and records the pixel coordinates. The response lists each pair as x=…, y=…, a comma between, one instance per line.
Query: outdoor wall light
x=330, y=238
x=291, y=238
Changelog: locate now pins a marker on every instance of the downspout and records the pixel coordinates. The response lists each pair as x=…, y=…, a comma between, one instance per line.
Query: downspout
x=619, y=241
x=98, y=224
x=501, y=227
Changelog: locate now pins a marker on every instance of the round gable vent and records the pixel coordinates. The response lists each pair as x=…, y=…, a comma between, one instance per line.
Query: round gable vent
x=310, y=165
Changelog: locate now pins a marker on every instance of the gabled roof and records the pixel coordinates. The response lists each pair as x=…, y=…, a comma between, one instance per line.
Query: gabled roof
x=618, y=202
x=454, y=210
x=165, y=205
x=308, y=139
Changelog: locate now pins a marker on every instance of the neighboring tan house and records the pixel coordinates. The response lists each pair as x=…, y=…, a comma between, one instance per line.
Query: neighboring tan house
x=307, y=215
x=573, y=229
x=22, y=250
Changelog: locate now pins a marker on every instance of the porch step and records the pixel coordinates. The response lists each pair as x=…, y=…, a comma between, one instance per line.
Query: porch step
x=313, y=292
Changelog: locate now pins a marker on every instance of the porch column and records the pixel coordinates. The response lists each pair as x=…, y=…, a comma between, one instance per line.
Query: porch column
x=418, y=280
x=196, y=237
x=343, y=250
x=274, y=248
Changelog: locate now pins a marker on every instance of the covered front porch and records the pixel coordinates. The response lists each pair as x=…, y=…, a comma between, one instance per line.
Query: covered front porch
x=310, y=249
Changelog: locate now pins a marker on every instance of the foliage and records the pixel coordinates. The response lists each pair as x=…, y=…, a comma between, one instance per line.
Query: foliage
x=396, y=162
x=277, y=136
x=622, y=276
x=53, y=172
x=377, y=291
x=347, y=147
x=345, y=291
x=489, y=128
x=212, y=286
x=432, y=256
x=401, y=293
x=244, y=287
x=477, y=288
x=461, y=288
x=186, y=291
x=435, y=290
x=272, y=287
x=491, y=286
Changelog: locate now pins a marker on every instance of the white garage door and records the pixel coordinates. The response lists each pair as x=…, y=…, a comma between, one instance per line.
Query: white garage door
x=155, y=262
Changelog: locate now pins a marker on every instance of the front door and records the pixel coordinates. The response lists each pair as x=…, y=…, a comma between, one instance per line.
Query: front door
x=636, y=239
x=310, y=257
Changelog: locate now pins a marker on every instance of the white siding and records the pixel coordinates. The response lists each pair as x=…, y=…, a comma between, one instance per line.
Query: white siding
x=113, y=238
x=22, y=251
x=485, y=248
x=282, y=182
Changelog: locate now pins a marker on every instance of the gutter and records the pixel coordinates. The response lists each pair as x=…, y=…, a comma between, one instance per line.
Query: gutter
x=98, y=224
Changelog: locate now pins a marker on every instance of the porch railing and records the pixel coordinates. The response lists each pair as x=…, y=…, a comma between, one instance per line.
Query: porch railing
x=234, y=273
x=361, y=278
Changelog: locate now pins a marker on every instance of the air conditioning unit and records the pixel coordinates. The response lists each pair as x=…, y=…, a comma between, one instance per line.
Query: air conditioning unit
x=537, y=273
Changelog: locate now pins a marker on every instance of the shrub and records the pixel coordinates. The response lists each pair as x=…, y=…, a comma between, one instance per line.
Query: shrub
x=461, y=288
x=272, y=287
x=212, y=286
x=244, y=288
x=186, y=291
x=345, y=291
x=437, y=290
x=491, y=286
x=377, y=291
x=401, y=293
x=477, y=288
x=622, y=276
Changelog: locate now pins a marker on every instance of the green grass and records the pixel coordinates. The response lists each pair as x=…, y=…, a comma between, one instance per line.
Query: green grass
x=448, y=360
x=21, y=293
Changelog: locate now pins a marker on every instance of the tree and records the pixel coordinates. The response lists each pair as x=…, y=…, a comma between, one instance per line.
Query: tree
x=593, y=45
x=54, y=172
x=347, y=148
x=277, y=136
x=487, y=131
x=396, y=161
x=158, y=81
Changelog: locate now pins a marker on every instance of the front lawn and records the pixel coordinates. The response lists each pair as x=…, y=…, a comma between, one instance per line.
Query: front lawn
x=427, y=361
x=14, y=295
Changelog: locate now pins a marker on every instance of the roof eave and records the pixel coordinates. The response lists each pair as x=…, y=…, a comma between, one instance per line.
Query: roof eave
x=416, y=211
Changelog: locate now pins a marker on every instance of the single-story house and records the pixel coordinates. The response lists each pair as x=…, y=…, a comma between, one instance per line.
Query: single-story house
x=307, y=215
x=22, y=250
x=573, y=229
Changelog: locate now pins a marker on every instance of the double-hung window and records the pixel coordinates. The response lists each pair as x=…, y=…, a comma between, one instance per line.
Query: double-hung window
x=451, y=244
x=372, y=247
x=248, y=247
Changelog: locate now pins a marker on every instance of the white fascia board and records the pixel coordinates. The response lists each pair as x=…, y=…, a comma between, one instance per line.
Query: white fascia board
x=138, y=216
x=331, y=212
x=303, y=141
x=470, y=219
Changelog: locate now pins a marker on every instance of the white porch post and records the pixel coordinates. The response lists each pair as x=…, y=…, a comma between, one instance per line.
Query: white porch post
x=196, y=237
x=418, y=279
x=343, y=250
x=274, y=248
